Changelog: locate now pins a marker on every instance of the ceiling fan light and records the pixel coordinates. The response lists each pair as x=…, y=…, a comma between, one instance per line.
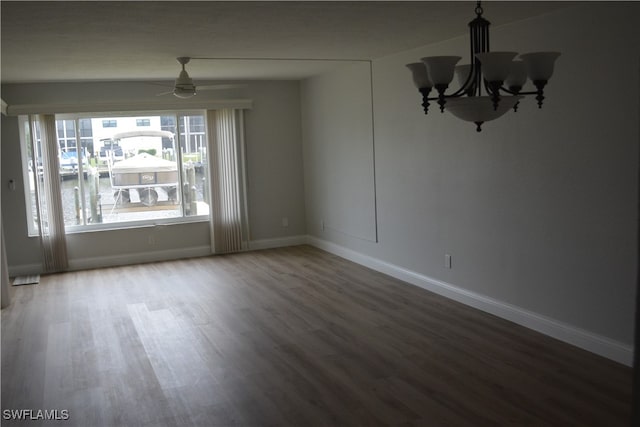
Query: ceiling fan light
x=517, y=75
x=480, y=108
x=539, y=64
x=184, y=92
x=440, y=68
x=184, y=95
x=496, y=65
x=420, y=75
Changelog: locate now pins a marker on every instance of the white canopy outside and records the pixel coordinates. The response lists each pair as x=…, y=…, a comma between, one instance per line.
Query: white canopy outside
x=138, y=133
x=144, y=162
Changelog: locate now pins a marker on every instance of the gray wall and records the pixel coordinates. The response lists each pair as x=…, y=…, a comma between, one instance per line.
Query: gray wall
x=5, y=297
x=21, y=249
x=275, y=188
x=539, y=210
x=274, y=161
x=338, y=153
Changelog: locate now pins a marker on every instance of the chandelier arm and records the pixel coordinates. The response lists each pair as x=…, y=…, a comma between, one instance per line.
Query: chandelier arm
x=478, y=42
x=466, y=88
x=487, y=86
x=456, y=94
x=460, y=92
x=512, y=92
x=532, y=92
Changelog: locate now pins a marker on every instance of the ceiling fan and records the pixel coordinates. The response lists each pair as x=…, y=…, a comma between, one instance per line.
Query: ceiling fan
x=184, y=87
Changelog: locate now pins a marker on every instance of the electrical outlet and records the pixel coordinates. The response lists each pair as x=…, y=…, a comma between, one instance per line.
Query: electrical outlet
x=285, y=221
x=152, y=239
x=322, y=225
x=447, y=261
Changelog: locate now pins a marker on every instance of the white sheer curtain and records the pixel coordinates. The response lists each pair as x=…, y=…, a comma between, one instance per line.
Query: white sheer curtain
x=228, y=208
x=53, y=239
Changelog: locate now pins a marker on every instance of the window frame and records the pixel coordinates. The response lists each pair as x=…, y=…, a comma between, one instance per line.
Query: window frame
x=23, y=120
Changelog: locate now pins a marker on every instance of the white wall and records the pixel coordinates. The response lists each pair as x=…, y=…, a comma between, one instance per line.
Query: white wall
x=275, y=189
x=538, y=211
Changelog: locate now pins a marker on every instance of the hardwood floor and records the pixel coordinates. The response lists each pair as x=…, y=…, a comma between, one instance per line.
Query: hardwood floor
x=291, y=336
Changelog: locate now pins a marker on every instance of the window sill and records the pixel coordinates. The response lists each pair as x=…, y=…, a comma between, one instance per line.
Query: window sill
x=131, y=225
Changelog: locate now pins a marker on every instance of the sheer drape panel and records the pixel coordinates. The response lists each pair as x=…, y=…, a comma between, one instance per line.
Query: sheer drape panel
x=226, y=180
x=51, y=214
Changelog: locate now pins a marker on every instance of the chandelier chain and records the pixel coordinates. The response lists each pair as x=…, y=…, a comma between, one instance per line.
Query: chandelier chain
x=479, y=9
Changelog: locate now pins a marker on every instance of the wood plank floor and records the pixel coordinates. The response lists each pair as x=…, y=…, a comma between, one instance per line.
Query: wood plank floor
x=291, y=336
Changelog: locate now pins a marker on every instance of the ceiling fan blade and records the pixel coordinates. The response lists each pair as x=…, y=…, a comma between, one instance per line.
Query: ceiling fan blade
x=165, y=84
x=221, y=87
x=164, y=93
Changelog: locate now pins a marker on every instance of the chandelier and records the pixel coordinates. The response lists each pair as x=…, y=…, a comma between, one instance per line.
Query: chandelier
x=490, y=85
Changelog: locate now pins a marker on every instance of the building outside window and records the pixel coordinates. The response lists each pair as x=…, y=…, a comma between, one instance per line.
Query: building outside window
x=109, y=123
x=66, y=134
x=86, y=136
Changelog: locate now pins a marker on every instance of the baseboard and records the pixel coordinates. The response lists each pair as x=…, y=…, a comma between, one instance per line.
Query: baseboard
x=138, y=258
x=25, y=269
x=144, y=257
x=278, y=242
x=611, y=349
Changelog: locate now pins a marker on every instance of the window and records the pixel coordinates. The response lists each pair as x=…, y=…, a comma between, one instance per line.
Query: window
x=66, y=134
x=125, y=176
x=86, y=134
x=143, y=122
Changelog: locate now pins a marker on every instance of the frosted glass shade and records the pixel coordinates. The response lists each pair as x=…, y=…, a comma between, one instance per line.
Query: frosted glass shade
x=440, y=68
x=517, y=74
x=480, y=108
x=539, y=64
x=420, y=75
x=184, y=93
x=462, y=73
x=496, y=65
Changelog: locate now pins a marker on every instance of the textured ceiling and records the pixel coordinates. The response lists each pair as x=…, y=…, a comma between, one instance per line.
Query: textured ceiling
x=96, y=40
